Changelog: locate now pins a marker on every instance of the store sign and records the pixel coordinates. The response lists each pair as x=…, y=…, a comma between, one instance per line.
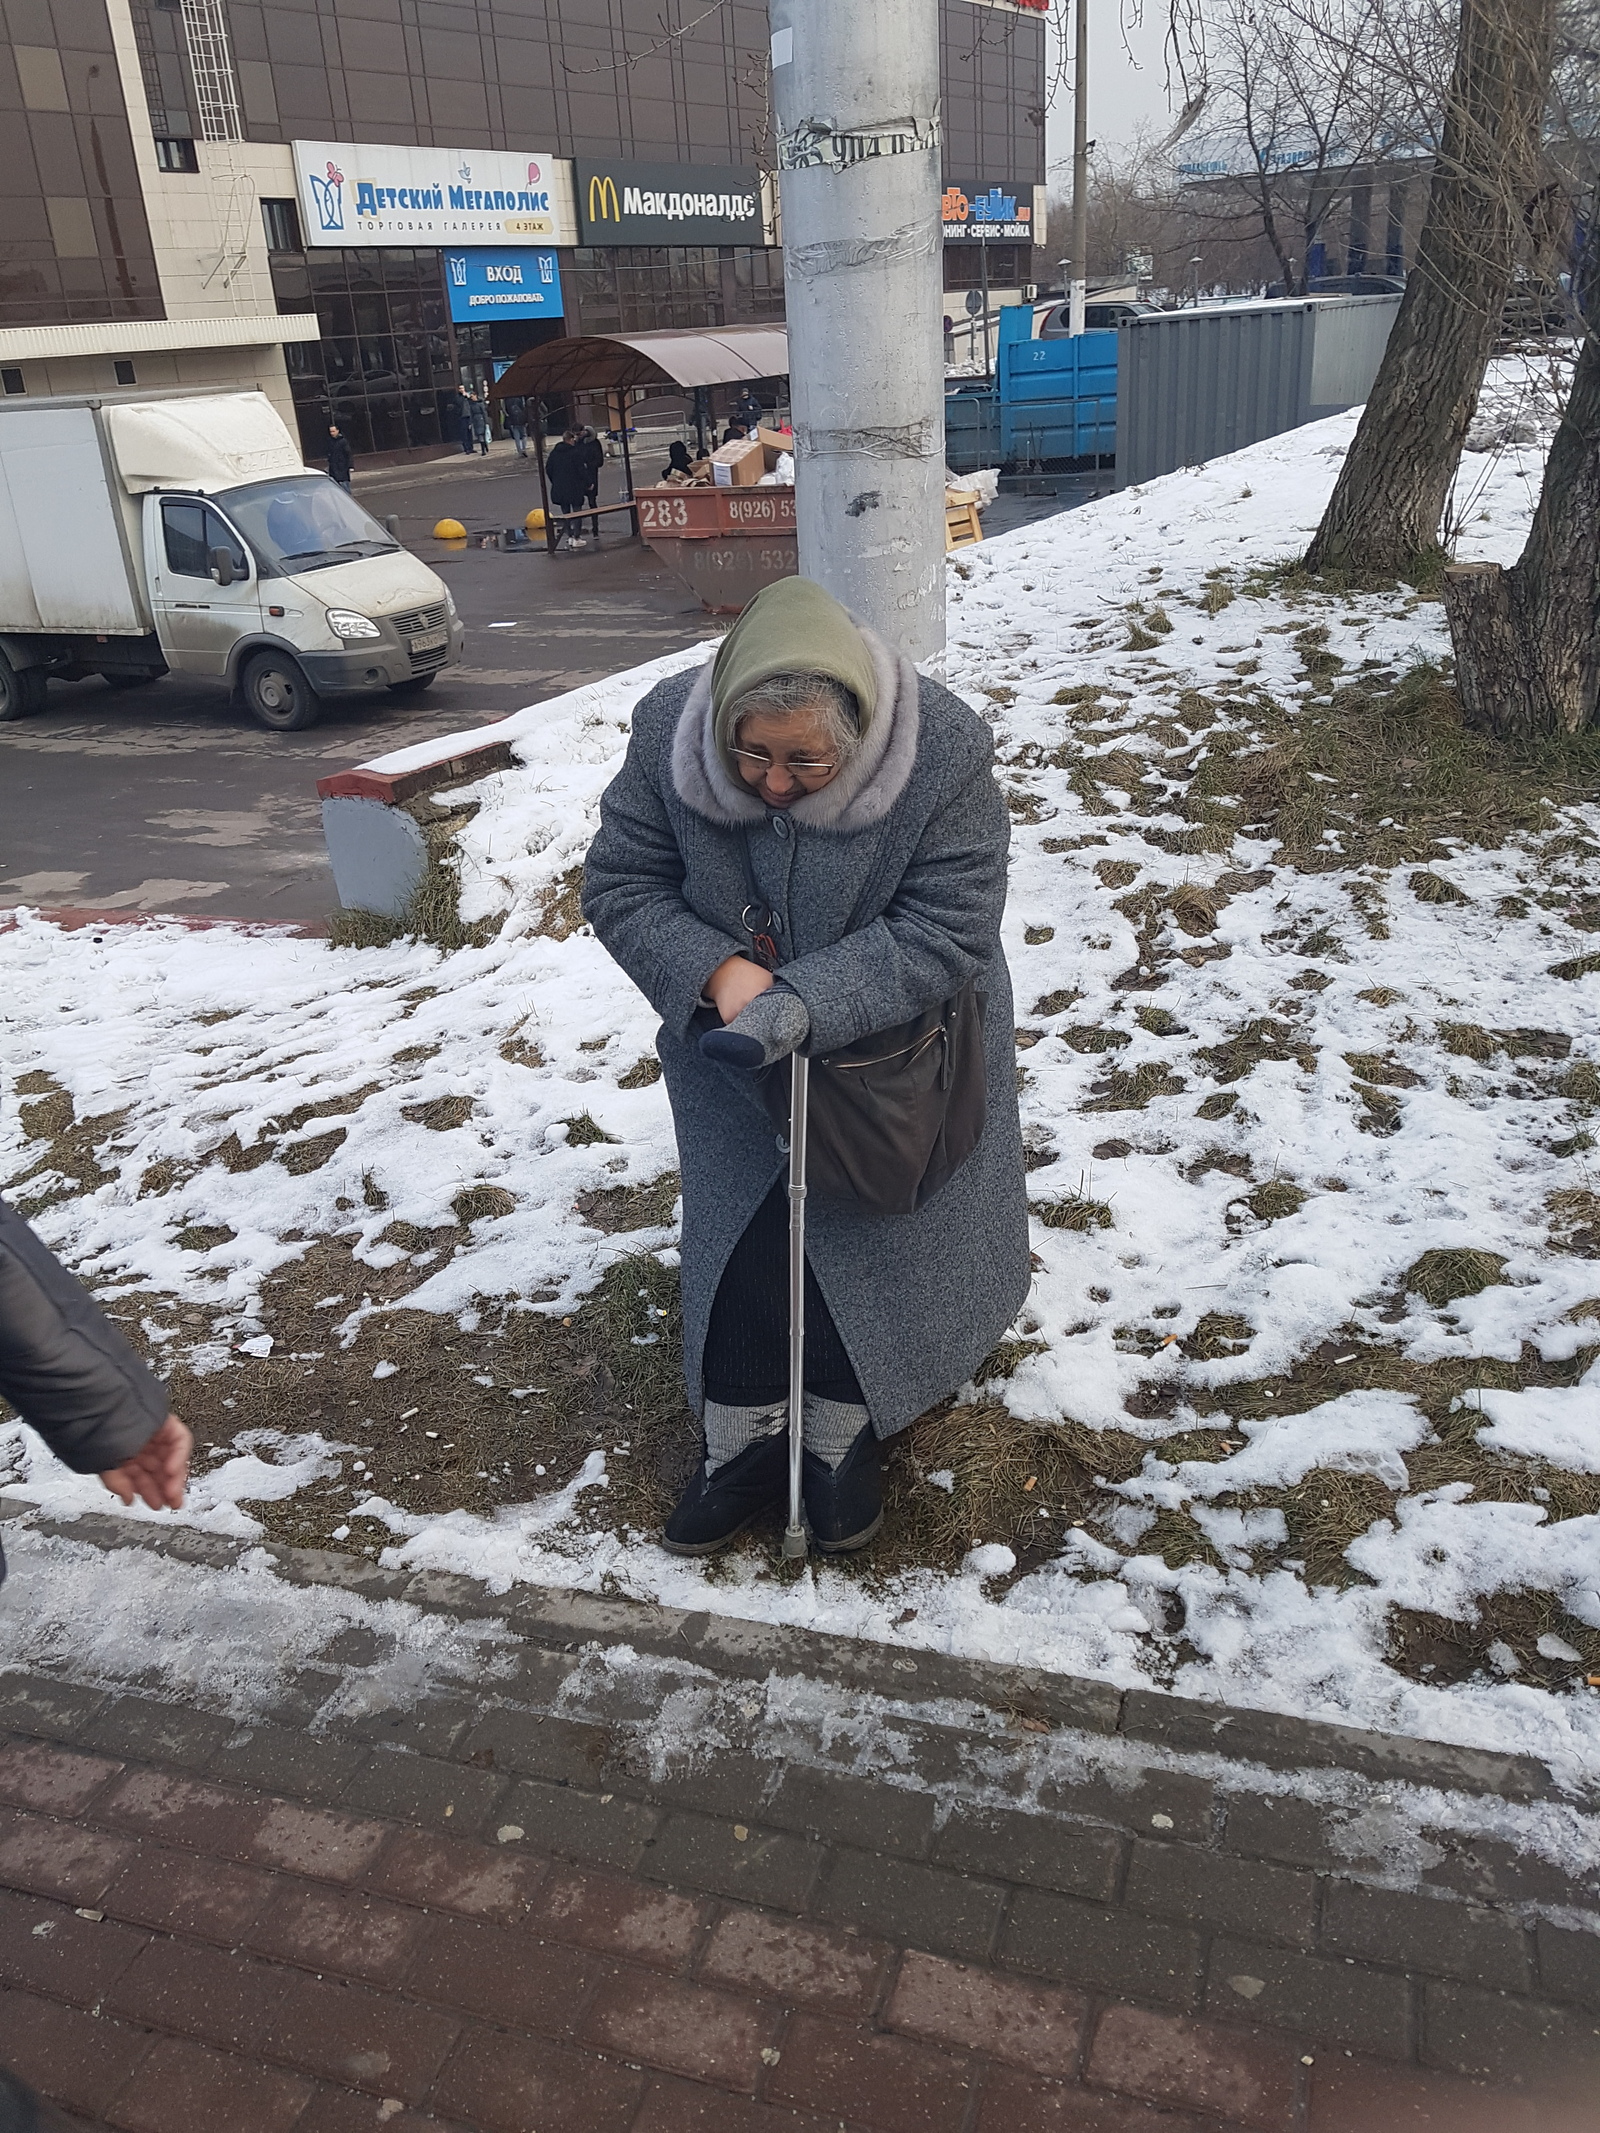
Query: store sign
x=667, y=203
x=495, y=284
x=1000, y=212
x=364, y=194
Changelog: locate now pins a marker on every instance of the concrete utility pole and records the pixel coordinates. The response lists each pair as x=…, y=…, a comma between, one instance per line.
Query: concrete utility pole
x=856, y=93
x=1080, y=174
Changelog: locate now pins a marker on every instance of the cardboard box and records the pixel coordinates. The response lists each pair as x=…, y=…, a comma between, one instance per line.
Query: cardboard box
x=738, y=465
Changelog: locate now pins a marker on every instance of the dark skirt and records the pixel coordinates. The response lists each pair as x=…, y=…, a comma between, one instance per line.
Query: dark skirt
x=747, y=1342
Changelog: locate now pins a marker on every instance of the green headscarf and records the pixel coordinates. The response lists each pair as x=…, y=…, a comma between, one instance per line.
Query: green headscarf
x=791, y=627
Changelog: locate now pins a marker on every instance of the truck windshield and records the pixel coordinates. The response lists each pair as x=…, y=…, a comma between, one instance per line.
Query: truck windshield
x=302, y=522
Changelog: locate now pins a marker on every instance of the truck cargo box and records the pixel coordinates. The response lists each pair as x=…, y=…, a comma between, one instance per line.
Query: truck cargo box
x=62, y=562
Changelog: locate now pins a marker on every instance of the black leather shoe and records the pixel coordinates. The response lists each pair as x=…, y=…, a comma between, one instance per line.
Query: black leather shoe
x=714, y=1510
x=844, y=1504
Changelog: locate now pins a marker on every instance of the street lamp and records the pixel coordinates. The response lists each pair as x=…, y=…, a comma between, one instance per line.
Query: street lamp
x=1194, y=278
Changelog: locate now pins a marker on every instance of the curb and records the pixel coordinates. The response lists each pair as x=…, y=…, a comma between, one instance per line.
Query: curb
x=73, y=918
x=562, y=1618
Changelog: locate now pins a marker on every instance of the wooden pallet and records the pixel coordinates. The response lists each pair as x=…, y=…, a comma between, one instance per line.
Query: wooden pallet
x=961, y=527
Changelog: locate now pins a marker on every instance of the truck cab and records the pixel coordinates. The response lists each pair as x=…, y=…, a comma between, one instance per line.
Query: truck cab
x=289, y=590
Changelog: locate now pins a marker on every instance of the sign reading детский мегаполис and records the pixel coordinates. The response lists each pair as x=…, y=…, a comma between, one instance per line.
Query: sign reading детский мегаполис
x=499, y=284
x=361, y=193
x=667, y=203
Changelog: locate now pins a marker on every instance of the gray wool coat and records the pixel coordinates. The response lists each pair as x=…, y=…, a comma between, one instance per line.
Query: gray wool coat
x=906, y=849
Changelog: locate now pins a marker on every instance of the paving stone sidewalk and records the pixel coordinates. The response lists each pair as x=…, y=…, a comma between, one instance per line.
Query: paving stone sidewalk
x=494, y=1915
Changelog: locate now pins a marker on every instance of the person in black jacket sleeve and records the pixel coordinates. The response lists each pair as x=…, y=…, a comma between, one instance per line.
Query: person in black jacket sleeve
x=73, y=1378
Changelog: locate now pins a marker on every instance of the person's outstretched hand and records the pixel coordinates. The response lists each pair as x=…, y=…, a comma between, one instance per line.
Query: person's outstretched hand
x=158, y=1471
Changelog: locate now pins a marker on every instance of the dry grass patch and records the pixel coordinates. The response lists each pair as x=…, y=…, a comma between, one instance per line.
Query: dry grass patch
x=1445, y=1276
x=1074, y=1212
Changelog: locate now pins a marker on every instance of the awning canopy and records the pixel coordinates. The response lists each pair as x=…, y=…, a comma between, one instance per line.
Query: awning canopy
x=607, y=362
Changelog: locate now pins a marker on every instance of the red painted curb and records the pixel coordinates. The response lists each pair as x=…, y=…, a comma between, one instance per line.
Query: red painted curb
x=72, y=919
x=391, y=787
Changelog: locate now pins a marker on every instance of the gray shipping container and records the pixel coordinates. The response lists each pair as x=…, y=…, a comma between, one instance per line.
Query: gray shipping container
x=1192, y=385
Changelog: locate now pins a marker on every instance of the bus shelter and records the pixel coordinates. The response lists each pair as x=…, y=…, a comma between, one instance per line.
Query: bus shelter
x=619, y=364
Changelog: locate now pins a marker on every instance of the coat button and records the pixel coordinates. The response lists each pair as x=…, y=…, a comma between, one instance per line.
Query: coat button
x=780, y=825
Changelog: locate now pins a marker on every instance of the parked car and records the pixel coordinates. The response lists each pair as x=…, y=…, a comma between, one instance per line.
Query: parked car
x=1356, y=285
x=1097, y=318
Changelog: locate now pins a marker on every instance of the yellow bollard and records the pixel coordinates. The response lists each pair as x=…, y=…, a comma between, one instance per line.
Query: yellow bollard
x=449, y=529
x=534, y=522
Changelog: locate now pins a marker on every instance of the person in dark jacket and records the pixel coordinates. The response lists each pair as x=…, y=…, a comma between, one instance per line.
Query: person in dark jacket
x=478, y=421
x=678, y=460
x=567, y=471
x=594, y=458
x=514, y=408
x=72, y=1377
x=340, y=457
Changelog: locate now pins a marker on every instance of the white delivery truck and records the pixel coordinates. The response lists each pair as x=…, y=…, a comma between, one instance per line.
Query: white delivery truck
x=146, y=533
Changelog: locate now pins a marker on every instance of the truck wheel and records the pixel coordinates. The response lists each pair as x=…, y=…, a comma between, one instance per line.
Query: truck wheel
x=279, y=694
x=21, y=690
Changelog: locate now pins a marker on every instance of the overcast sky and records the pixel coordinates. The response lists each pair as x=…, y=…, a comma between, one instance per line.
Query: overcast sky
x=1127, y=82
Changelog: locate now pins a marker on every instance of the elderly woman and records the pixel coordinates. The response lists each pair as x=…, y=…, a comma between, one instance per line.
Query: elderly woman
x=804, y=847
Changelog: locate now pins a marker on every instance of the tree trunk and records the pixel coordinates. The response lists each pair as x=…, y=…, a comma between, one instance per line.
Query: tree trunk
x=1385, y=511
x=1527, y=640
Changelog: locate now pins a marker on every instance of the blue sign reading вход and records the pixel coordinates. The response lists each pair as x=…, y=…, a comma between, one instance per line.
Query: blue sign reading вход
x=486, y=284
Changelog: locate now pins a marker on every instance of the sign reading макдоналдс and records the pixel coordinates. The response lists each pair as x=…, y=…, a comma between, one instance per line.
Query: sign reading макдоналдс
x=361, y=193
x=667, y=203
x=492, y=283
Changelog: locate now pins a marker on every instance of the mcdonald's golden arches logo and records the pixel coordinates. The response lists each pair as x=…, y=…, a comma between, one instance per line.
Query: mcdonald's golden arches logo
x=603, y=204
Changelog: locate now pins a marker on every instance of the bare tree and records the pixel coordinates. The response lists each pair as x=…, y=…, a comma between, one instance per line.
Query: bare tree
x=1385, y=512
x=1527, y=640
x=1287, y=103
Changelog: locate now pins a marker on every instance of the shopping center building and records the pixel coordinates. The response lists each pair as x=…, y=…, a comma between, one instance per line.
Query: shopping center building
x=359, y=206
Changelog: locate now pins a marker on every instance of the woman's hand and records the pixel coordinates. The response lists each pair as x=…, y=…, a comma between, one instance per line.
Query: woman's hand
x=734, y=984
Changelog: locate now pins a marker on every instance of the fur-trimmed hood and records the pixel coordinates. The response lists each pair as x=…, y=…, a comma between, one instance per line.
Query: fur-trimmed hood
x=862, y=793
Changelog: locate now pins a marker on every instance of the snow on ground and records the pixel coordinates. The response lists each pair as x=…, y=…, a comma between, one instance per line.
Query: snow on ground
x=193, y=1047
x=250, y=1646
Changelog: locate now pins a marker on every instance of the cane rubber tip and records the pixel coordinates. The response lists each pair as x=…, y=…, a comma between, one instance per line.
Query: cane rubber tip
x=794, y=1544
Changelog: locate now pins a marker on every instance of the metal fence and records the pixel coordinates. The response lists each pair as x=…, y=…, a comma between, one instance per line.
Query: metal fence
x=1195, y=384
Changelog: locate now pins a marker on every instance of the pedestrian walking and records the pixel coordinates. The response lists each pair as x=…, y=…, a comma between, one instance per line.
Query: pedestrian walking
x=594, y=458
x=805, y=849
x=748, y=409
x=468, y=434
x=514, y=408
x=340, y=458
x=478, y=419
x=567, y=472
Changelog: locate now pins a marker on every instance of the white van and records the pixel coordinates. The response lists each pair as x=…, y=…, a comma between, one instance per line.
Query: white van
x=143, y=534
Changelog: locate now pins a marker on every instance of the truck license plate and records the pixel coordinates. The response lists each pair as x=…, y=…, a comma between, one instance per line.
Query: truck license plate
x=429, y=641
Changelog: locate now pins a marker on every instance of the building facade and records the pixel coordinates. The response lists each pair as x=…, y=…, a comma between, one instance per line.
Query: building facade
x=163, y=159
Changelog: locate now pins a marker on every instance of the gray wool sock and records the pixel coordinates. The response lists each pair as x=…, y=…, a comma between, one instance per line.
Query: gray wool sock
x=830, y=1427
x=731, y=1430
x=776, y=1023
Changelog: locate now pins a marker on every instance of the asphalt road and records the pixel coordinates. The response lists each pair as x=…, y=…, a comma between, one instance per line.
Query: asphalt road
x=168, y=799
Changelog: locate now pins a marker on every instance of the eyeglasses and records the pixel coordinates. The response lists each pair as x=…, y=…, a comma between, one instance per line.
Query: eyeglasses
x=797, y=767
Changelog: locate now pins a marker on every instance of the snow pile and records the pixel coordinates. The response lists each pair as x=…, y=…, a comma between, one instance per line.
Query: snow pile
x=281, y=1091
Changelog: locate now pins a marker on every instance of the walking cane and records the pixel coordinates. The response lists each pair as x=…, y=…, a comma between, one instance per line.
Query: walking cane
x=794, y=1538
